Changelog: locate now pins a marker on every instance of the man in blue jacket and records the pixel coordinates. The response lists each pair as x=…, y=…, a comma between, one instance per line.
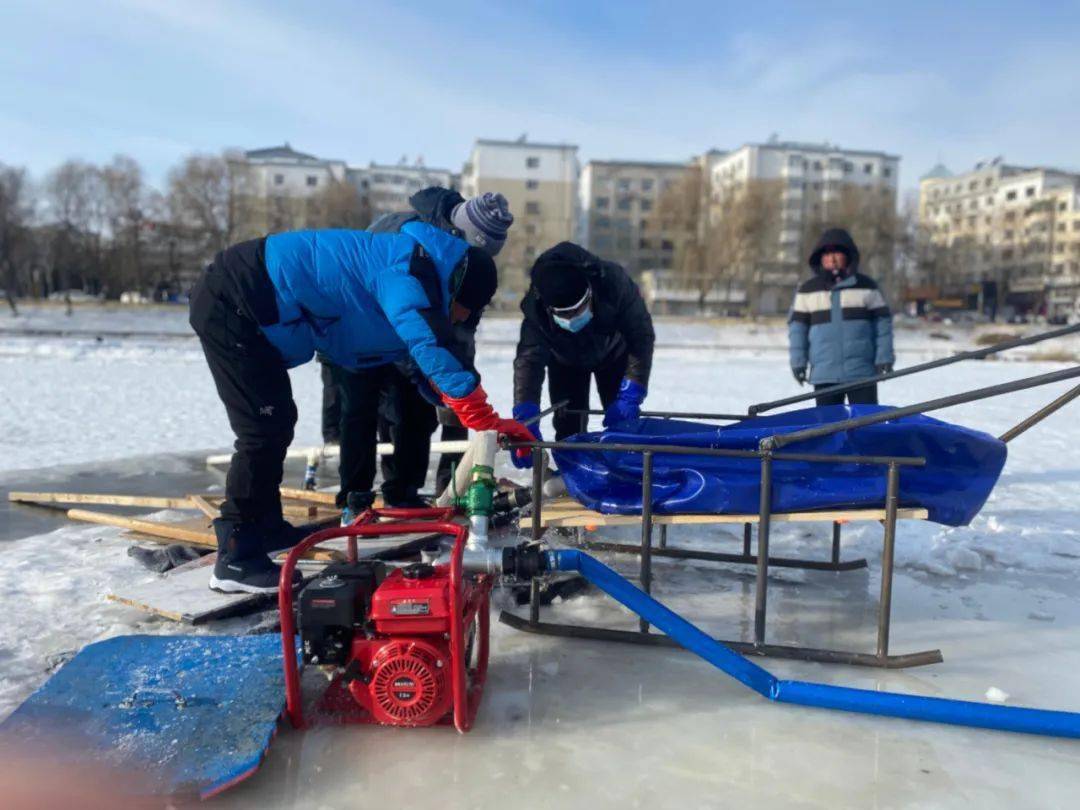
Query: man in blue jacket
x=386, y=397
x=359, y=299
x=840, y=324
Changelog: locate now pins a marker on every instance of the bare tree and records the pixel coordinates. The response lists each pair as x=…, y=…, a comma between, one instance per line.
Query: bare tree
x=124, y=211
x=338, y=205
x=15, y=212
x=73, y=192
x=202, y=201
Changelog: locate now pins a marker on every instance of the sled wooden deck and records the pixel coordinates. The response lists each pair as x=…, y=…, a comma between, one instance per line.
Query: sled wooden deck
x=569, y=513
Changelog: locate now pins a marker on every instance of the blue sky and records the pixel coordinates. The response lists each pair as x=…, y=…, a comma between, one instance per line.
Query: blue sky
x=374, y=81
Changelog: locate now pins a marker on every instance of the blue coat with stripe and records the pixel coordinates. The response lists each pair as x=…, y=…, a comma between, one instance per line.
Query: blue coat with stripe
x=840, y=330
x=363, y=299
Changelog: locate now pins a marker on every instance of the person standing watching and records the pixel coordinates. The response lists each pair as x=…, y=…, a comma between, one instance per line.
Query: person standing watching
x=840, y=327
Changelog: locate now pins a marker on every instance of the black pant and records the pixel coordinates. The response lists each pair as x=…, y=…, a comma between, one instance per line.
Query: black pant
x=383, y=395
x=866, y=395
x=572, y=383
x=252, y=382
x=331, y=406
x=448, y=462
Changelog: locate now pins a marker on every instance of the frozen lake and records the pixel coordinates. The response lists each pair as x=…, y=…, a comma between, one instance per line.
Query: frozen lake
x=568, y=724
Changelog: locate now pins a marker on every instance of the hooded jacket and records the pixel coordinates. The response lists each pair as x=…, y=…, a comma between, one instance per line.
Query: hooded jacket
x=362, y=299
x=620, y=323
x=841, y=330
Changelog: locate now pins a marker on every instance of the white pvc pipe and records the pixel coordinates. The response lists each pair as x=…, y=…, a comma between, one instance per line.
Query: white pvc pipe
x=481, y=450
x=333, y=451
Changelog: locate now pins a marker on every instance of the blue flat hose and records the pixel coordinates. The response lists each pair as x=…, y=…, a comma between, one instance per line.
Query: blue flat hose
x=803, y=693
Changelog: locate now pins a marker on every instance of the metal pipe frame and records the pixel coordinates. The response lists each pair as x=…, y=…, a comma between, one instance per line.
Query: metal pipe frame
x=974, y=354
x=717, y=417
x=758, y=646
x=1040, y=414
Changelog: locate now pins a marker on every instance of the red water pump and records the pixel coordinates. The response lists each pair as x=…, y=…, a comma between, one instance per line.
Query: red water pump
x=406, y=646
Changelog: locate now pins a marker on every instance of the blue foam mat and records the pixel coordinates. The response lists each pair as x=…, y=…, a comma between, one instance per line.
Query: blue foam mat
x=186, y=716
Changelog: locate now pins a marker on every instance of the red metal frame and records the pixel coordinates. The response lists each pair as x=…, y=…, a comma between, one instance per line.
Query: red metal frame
x=402, y=521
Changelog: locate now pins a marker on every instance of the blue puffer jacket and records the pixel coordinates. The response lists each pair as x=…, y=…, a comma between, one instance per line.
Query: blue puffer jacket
x=841, y=330
x=362, y=299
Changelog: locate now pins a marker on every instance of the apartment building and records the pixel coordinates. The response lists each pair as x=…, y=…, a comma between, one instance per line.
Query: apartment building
x=800, y=188
x=1008, y=232
x=387, y=188
x=278, y=182
x=540, y=181
x=619, y=212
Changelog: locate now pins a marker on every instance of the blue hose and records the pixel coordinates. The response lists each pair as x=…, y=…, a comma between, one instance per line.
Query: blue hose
x=865, y=701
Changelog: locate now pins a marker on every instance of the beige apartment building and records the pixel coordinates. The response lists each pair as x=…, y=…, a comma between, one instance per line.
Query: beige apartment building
x=1009, y=234
x=620, y=216
x=540, y=181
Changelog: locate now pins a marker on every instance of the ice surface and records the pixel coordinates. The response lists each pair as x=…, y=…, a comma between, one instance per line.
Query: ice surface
x=573, y=724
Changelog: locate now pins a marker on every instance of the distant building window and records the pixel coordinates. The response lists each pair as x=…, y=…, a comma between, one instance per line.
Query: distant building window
x=817, y=165
x=532, y=208
x=600, y=243
x=532, y=163
x=623, y=244
x=623, y=203
x=624, y=184
x=530, y=229
x=530, y=251
x=647, y=185
x=868, y=168
x=622, y=224
x=667, y=244
x=1029, y=191
x=848, y=167
x=1010, y=195
x=279, y=179
x=886, y=172
x=603, y=203
x=602, y=222
x=1062, y=206
x=646, y=205
x=312, y=180
x=532, y=185
x=645, y=244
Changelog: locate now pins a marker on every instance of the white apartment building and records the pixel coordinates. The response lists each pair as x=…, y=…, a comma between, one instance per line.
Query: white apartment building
x=387, y=188
x=811, y=179
x=539, y=180
x=1011, y=231
x=619, y=217
x=282, y=171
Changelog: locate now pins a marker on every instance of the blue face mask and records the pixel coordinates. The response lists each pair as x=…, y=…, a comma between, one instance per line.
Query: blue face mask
x=575, y=324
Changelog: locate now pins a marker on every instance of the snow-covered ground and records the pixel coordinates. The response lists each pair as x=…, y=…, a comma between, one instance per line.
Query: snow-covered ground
x=575, y=724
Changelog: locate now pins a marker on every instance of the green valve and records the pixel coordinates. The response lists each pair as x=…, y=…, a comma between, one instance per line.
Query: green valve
x=478, y=498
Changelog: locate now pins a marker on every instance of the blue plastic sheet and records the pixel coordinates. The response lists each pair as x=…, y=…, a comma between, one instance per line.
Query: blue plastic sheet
x=962, y=466
x=184, y=716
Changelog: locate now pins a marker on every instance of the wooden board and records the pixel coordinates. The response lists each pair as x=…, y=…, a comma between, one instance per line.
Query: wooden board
x=183, y=594
x=566, y=512
x=101, y=499
x=309, y=495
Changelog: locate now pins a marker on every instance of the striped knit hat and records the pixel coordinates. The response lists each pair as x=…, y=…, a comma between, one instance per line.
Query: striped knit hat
x=484, y=221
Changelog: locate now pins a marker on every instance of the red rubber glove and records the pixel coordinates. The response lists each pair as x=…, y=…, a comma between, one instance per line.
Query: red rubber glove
x=475, y=412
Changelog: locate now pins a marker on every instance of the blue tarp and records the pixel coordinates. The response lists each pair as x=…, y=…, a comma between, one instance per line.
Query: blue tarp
x=184, y=716
x=962, y=466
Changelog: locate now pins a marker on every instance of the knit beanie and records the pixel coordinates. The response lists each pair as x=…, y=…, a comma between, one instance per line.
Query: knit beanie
x=476, y=285
x=484, y=221
x=560, y=285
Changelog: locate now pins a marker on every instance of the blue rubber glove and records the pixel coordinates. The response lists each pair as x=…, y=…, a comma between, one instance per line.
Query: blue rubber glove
x=628, y=404
x=523, y=411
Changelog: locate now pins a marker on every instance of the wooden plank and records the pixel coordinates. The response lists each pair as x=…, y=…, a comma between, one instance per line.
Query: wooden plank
x=101, y=499
x=170, y=531
x=204, y=506
x=566, y=512
x=309, y=495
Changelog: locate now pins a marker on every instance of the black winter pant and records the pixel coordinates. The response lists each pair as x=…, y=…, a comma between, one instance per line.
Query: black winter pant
x=331, y=406
x=866, y=395
x=252, y=382
x=383, y=399
x=572, y=383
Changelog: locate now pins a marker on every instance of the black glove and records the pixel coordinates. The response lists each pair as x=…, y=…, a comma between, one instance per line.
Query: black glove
x=799, y=374
x=883, y=368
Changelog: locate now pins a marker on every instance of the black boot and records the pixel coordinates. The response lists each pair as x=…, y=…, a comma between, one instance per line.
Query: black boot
x=280, y=535
x=242, y=565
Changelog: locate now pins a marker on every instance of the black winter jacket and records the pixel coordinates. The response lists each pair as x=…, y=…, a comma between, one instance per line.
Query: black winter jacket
x=620, y=323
